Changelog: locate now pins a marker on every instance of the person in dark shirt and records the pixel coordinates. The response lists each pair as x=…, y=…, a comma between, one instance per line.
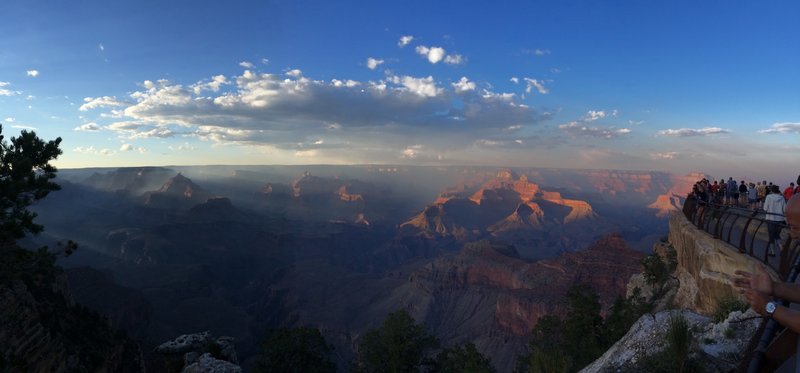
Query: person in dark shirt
x=742, y=193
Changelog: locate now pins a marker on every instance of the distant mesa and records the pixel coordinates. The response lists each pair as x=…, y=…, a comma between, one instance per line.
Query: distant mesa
x=128, y=181
x=178, y=192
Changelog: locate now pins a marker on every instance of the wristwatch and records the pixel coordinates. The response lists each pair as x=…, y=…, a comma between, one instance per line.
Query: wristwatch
x=770, y=307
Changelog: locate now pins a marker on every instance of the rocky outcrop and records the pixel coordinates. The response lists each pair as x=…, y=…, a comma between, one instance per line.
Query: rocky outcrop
x=129, y=181
x=713, y=344
x=200, y=352
x=527, y=216
x=706, y=266
x=580, y=210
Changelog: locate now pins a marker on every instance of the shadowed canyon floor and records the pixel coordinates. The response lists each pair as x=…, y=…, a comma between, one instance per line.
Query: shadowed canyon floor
x=477, y=253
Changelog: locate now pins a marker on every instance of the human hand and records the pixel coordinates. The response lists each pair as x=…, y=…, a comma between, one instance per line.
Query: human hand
x=758, y=281
x=757, y=301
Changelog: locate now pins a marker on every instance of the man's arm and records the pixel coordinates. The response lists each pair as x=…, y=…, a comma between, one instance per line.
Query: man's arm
x=786, y=291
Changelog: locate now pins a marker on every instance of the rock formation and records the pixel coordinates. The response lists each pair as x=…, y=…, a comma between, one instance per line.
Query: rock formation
x=200, y=352
x=179, y=192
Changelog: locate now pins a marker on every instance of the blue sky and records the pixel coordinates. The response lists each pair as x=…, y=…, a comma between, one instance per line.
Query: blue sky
x=675, y=86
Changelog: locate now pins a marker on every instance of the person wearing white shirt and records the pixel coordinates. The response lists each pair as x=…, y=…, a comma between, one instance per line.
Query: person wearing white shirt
x=775, y=208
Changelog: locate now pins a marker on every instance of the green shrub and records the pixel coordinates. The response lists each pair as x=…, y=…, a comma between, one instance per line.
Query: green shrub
x=656, y=271
x=726, y=305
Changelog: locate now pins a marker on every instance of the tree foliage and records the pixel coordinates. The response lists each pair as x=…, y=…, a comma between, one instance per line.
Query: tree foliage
x=296, y=350
x=459, y=359
x=399, y=345
x=25, y=177
x=582, y=336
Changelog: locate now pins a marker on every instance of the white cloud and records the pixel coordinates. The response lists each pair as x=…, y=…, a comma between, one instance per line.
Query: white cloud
x=454, y=59
x=264, y=61
x=532, y=84
x=576, y=128
x=99, y=102
x=102, y=48
x=7, y=92
x=91, y=150
x=424, y=87
x=246, y=64
x=373, y=63
x=32, y=73
x=593, y=115
x=514, y=80
x=555, y=70
x=787, y=127
x=464, y=85
x=411, y=152
x=307, y=153
x=182, y=147
x=294, y=73
x=664, y=155
x=362, y=118
x=19, y=126
x=126, y=148
x=687, y=132
x=405, y=40
x=88, y=127
x=10, y=119
x=213, y=85
x=433, y=54
x=541, y=52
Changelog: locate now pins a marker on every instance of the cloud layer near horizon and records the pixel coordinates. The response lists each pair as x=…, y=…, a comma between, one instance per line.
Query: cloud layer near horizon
x=290, y=111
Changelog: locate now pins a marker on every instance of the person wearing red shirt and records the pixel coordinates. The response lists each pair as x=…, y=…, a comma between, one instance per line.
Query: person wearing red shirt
x=788, y=192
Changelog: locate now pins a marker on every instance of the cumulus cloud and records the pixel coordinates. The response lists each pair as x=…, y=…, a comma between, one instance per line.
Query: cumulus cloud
x=10, y=119
x=32, y=73
x=688, y=132
x=363, y=119
x=532, y=84
x=91, y=150
x=454, y=59
x=246, y=64
x=211, y=85
x=294, y=73
x=6, y=91
x=787, y=127
x=411, y=152
x=373, y=63
x=126, y=148
x=514, y=80
x=463, y=85
x=424, y=87
x=577, y=128
x=100, y=102
x=405, y=40
x=593, y=115
x=88, y=127
x=433, y=54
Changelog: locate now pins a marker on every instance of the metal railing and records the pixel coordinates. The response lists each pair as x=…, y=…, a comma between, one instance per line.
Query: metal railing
x=747, y=230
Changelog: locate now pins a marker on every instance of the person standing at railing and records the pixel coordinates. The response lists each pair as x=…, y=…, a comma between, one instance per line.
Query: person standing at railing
x=787, y=193
x=775, y=207
x=752, y=196
x=733, y=192
x=762, y=193
x=758, y=287
x=742, y=194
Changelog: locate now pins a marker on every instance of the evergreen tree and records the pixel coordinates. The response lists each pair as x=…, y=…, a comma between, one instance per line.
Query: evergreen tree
x=459, y=359
x=296, y=350
x=25, y=177
x=398, y=346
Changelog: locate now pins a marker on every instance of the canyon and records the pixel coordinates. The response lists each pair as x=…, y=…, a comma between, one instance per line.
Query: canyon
x=476, y=253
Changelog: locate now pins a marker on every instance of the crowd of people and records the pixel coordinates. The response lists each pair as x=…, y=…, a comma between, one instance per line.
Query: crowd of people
x=761, y=195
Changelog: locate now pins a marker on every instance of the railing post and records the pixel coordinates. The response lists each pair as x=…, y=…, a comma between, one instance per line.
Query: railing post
x=742, y=246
